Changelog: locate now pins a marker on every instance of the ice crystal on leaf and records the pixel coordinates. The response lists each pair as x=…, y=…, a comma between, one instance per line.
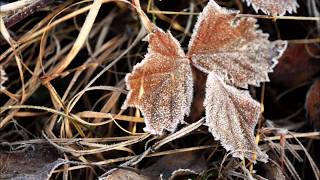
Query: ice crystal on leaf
x=221, y=43
x=161, y=85
x=274, y=7
x=232, y=119
x=233, y=52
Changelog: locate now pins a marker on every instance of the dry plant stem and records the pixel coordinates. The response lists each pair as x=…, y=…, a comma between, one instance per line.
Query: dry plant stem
x=305, y=41
x=15, y=5
x=287, y=162
x=103, y=148
x=137, y=39
x=69, y=141
x=13, y=45
x=100, y=115
x=33, y=34
x=85, y=30
x=189, y=23
x=26, y=11
x=184, y=131
x=311, y=135
x=144, y=19
x=35, y=82
x=109, y=161
x=70, y=116
x=312, y=163
x=179, y=134
x=110, y=46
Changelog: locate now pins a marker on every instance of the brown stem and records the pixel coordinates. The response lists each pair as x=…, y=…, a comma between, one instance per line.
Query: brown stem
x=144, y=19
x=27, y=11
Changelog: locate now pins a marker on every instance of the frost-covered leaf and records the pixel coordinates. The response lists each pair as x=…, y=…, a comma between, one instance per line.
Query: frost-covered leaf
x=34, y=163
x=233, y=52
x=161, y=85
x=231, y=115
x=274, y=7
x=224, y=44
x=3, y=77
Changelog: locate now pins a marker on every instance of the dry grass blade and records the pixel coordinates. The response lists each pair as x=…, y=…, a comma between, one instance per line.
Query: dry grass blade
x=311, y=161
x=83, y=35
x=92, y=114
x=102, y=148
x=312, y=135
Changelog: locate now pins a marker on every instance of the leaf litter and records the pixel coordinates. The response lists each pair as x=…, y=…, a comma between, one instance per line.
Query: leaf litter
x=73, y=88
x=32, y=162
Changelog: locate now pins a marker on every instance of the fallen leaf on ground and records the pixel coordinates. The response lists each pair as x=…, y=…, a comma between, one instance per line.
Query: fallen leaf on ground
x=175, y=164
x=125, y=174
x=34, y=163
x=297, y=65
x=313, y=104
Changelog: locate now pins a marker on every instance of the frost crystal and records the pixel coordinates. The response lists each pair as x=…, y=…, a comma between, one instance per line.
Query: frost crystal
x=161, y=85
x=225, y=45
x=3, y=77
x=274, y=7
x=234, y=54
x=231, y=117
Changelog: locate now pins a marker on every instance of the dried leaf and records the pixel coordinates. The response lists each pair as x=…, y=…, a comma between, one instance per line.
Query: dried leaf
x=231, y=117
x=37, y=163
x=124, y=174
x=172, y=165
x=3, y=77
x=161, y=85
x=274, y=7
x=271, y=171
x=313, y=104
x=226, y=45
x=297, y=65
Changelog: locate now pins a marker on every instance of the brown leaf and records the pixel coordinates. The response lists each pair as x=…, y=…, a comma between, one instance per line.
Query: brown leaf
x=161, y=85
x=231, y=115
x=274, y=7
x=226, y=45
x=30, y=164
x=297, y=65
x=125, y=174
x=313, y=104
x=271, y=171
